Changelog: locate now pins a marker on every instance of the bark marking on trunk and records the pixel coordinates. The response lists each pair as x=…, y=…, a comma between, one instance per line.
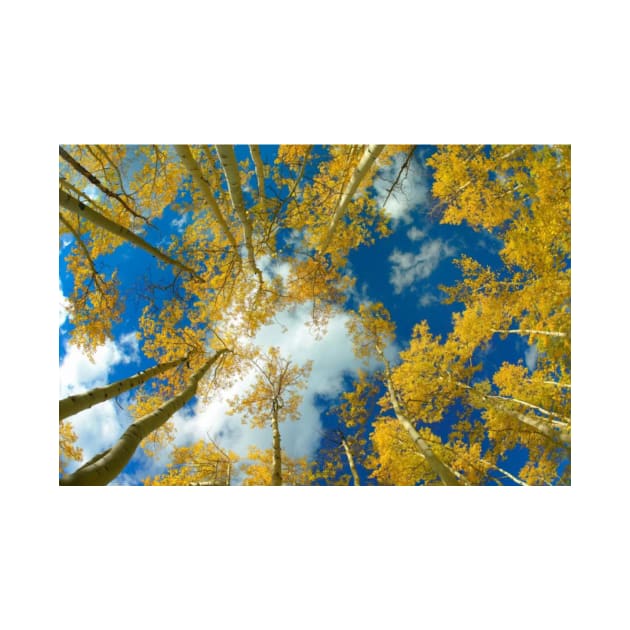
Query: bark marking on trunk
x=74, y=404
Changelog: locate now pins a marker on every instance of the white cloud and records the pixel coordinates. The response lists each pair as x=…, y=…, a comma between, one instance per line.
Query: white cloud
x=411, y=190
x=66, y=239
x=531, y=356
x=130, y=347
x=78, y=374
x=180, y=223
x=415, y=234
x=98, y=428
x=93, y=192
x=490, y=242
x=428, y=298
x=63, y=307
x=272, y=268
x=409, y=267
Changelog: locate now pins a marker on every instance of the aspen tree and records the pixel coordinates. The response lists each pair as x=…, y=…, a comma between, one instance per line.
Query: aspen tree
x=272, y=398
x=371, y=330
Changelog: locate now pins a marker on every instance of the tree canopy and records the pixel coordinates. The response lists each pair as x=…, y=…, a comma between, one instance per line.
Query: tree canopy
x=190, y=252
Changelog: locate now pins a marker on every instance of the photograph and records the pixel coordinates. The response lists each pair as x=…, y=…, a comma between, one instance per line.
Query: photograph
x=315, y=315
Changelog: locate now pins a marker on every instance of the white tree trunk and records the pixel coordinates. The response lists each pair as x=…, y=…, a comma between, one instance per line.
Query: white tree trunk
x=370, y=154
x=191, y=165
x=353, y=469
x=230, y=168
x=562, y=422
x=504, y=472
x=446, y=475
x=260, y=173
x=79, y=208
x=556, y=384
x=542, y=426
x=524, y=332
x=276, y=472
x=74, y=404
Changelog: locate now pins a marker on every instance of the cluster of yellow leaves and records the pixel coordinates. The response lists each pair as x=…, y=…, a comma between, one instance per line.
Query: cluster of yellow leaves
x=515, y=381
x=316, y=282
x=202, y=463
x=94, y=304
x=541, y=471
x=165, y=338
x=395, y=460
x=475, y=187
x=371, y=329
x=519, y=192
x=93, y=308
x=292, y=156
x=430, y=374
x=145, y=176
x=274, y=391
x=67, y=447
x=329, y=472
x=353, y=408
x=257, y=469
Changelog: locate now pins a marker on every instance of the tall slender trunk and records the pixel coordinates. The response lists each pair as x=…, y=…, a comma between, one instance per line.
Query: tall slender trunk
x=446, y=475
x=79, y=208
x=563, y=421
x=74, y=404
x=556, y=384
x=562, y=435
x=276, y=473
x=106, y=466
x=526, y=331
x=191, y=165
x=254, y=149
x=370, y=154
x=488, y=464
x=516, y=480
x=353, y=469
x=230, y=168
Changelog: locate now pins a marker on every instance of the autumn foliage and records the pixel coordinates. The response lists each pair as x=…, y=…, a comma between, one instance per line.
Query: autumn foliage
x=261, y=236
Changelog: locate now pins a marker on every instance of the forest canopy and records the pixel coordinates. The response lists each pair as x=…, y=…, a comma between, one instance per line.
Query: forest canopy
x=315, y=315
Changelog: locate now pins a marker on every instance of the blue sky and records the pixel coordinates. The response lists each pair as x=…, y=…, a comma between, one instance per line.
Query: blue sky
x=404, y=271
